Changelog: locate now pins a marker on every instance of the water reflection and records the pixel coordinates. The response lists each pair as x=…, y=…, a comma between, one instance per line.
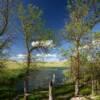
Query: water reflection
x=41, y=77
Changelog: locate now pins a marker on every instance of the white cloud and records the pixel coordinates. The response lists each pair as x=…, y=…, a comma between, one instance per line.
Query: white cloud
x=21, y=56
x=18, y=57
x=46, y=43
x=46, y=55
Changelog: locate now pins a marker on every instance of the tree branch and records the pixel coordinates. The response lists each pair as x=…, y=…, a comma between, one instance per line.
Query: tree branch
x=5, y=16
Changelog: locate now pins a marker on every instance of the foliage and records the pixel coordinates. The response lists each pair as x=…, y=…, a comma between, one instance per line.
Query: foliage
x=85, y=91
x=80, y=24
x=98, y=98
x=33, y=24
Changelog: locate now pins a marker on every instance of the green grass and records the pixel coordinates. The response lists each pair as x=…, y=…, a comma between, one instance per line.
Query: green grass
x=85, y=91
x=14, y=72
x=61, y=92
x=97, y=97
x=19, y=65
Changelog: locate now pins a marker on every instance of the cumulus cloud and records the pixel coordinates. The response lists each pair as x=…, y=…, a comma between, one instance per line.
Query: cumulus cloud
x=18, y=57
x=46, y=55
x=21, y=56
x=37, y=56
x=46, y=43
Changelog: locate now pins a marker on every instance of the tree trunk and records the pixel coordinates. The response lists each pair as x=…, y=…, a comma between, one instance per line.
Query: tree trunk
x=77, y=87
x=26, y=85
x=96, y=87
x=77, y=69
x=26, y=79
x=51, y=91
x=93, y=87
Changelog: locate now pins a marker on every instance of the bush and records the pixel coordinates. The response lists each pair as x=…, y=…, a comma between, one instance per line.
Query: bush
x=98, y=98
x=85, y=91
x=35, y=97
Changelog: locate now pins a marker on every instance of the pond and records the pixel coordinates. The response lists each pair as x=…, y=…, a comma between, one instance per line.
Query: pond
x=41, y=77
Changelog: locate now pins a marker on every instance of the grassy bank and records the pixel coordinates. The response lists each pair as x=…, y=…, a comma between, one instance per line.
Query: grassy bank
x=18, y=65
x=63, y=92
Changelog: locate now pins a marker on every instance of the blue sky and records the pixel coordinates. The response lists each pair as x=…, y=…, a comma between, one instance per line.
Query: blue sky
x=55, y=14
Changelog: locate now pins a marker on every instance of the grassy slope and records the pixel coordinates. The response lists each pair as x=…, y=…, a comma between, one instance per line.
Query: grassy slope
x=64, y=92
x=19, y=65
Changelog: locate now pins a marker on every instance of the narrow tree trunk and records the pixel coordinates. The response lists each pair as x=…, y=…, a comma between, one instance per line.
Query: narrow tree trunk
x=84, y=78
x=51, y=91
x=93, y=80
x=77, y=70
x=77, y=87
x=93, y=87
x=96, y=87
x=26, y=79
x=26, y=85
x=71, y=68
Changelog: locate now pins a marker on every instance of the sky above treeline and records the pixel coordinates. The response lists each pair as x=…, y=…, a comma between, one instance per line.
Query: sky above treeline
x=55, y=15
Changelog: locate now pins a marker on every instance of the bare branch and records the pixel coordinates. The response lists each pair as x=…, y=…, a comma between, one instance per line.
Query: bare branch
x=5, y=15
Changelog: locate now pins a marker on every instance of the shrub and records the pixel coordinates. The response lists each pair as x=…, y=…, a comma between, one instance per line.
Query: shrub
x=98, y=98
x=85, y=91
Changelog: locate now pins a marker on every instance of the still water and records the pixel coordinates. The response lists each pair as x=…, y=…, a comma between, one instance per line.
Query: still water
x=41, y=77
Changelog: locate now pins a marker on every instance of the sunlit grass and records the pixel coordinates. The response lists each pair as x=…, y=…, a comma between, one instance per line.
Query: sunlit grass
x=19, y=65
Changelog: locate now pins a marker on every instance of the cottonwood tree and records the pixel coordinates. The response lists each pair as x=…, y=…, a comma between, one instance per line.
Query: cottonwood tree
x=68, y=54
x=35, y=36
x=5, y=37
x=93, y=62
x=3, y=26
x=80, y=23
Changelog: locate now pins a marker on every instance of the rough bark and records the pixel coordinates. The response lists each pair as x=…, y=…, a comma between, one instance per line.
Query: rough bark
x=51, y=91
x=77, y=87
x=5, y=15
x=93, y=87
x=26, y=79
x=77, y=69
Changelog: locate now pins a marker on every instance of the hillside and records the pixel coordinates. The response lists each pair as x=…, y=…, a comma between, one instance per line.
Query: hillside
x=16, y=65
